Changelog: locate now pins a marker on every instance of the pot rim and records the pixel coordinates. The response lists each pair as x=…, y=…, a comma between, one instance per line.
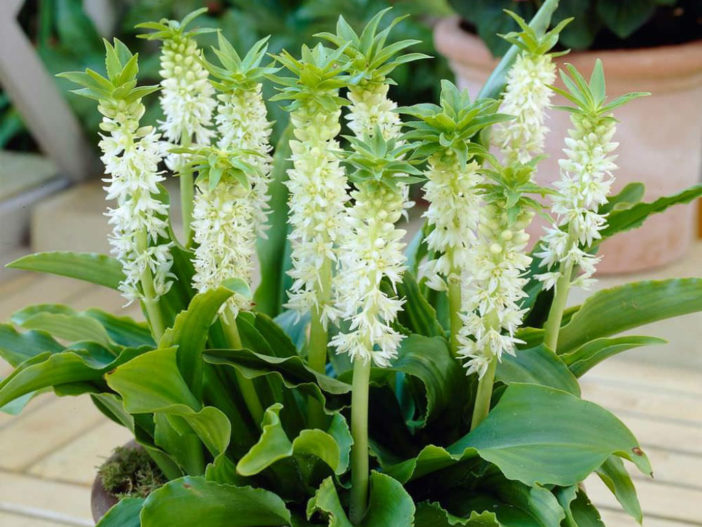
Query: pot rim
x=657, y=62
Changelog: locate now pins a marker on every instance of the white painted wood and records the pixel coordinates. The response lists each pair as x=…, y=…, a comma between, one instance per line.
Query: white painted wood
x=35, y=95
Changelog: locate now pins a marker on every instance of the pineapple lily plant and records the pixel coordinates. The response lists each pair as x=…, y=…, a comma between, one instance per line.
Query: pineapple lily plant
x=367, y=380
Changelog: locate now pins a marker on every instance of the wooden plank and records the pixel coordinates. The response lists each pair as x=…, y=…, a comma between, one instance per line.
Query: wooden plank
x=616, y=518
x=673, y=467
x=32, y=436
x=654, y=402
x=29, y=518
x=669, y=436
x=43, y=289
x=658, y=500
x=19, y=492
x=642, y=376
x=77, y=461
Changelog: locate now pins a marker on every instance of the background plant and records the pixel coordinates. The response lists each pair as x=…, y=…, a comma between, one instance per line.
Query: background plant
x=225, y=396
x=598, y=24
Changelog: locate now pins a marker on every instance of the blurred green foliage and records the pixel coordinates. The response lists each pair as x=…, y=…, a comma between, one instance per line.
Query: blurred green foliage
x=597, y=24
x=67, y=40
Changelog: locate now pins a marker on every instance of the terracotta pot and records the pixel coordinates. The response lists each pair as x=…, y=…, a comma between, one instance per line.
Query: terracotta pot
x=102, y=501
x=660, y=136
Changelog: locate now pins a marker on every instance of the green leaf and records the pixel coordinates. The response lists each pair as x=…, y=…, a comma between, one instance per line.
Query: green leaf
x=532, y=437
x=124, y=331
x=189, y=333
x=614, y=310
x=56, y=369
x=634, y=216
x=590, y=354
x=62, y=322
x=124, y=514
x=430, y=459
x=17, y=347
x=274, y=445
x=270, y=294
x=584, y=513
x=89, y=267
x=623, y=18
x=431, y=514
x=537, y=502
x=537, y=365
x=618, y=480
x=389, y=504
x=190, y=500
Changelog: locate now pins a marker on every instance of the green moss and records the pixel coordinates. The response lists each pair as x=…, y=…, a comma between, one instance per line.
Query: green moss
x=130, y=473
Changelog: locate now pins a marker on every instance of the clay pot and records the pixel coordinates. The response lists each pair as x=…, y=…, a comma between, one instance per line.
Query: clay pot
x=102, y=501
x=660, y=136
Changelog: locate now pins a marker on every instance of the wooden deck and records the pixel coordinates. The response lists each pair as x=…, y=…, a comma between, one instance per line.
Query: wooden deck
x=49, y=453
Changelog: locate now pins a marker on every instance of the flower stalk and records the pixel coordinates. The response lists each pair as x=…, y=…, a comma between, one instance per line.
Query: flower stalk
x=358, y=501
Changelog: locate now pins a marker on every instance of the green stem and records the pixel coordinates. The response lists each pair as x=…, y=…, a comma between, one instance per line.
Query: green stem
x=246, y=386
x=555, y=315
x=484, y=394
x=318, y=344
x=359, y=432
x=153, y=311
x=187, y=191
x=454, y=298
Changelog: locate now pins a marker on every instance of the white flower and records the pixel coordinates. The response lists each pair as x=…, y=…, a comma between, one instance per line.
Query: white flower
x=492, y=288
x=371, y=249
x=586, y=178
x=224, y=229
x=318, y=194
x=370, y=108
x=526, y=97
x=454, y=205
x=131, y=156
x=243, y=125
x=187, y=97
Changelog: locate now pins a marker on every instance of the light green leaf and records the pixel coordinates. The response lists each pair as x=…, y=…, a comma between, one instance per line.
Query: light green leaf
x=418, y=315
x=620, y=220
x=618, y=480
x=590, y=354
x=274, y=445
x=628, y=306
x=56, y=369
x=584, y=512
x=533, y=437
x=189, y=334
x=124, y=514
x=90, y=267
x=192, y=500
x=326, y=502
x=63, y=323
x=537, y=365
x=16, y=347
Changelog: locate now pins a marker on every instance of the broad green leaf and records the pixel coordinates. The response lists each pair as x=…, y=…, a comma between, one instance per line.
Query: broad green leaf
x=388, y=504
x=623, y=18
x=614, y=310
x=274, y=445
x=270, y=294
x=430, y=459
x=192, y=500
x=431, y=514
x=584, y=512
x=152, y=383
x=631, y=194
x=327, y=504
x=124, y=514
x=91, y=267
x=590, y=354
x=620, y=220
x=124, y=331
x=614, y=475
x=63, y=323
x=66, y=367
x=537, y=502
x=540, y=435
x=537, y=365
x=16, y=347
x=189, y=334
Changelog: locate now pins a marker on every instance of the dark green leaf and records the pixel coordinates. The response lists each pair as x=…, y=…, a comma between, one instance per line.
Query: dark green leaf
x=124, y=514
x=618, y=480
x=538, y=365
x=623, y=18
x=590, y=354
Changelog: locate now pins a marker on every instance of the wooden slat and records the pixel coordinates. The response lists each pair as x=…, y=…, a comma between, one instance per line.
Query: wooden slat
x=641, y=376
x=658, y=501
x=43, y=289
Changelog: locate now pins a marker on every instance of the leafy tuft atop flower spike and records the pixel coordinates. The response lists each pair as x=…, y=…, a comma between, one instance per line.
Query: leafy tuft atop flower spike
x=586, y=179
x=242, y=116
x=187, y=96
x=527, y=94
x=372, y=249
x=131, y=155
